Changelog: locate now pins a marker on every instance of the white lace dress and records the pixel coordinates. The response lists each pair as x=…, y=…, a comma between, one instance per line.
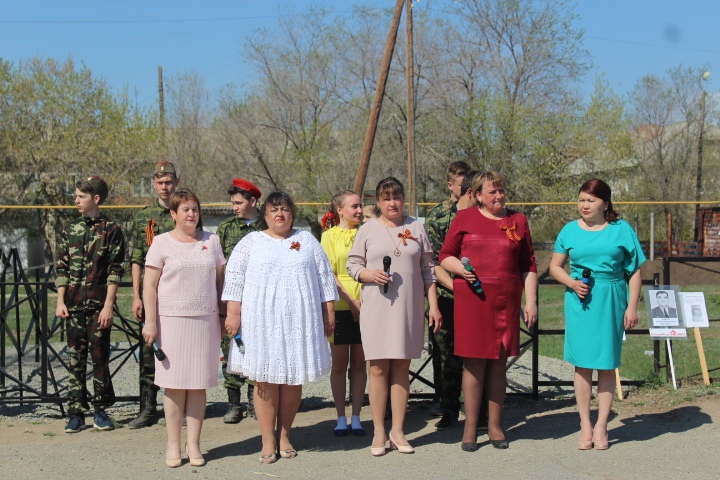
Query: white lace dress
x=281, y=284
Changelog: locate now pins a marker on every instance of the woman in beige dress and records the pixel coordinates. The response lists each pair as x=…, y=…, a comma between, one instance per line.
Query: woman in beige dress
x=393, y=310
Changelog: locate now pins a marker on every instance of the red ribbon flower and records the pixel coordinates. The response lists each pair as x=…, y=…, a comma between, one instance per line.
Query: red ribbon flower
x=295, y=246
x=329, y=216
x=204, y=247
x=405, y=235
x=510, y=232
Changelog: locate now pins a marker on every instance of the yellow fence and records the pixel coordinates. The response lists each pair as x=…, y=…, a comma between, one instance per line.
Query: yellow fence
x=324, y=204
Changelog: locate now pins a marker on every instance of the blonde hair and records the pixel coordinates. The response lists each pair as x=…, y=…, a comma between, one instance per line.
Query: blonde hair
x=332, y=217
x=491, y=176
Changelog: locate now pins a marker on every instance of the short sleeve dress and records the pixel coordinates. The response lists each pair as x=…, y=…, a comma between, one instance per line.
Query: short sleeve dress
x=281, y=284
x=500, y=252
x=188, y=315
x=393, y=323
x=594, y=328
x=336, y=243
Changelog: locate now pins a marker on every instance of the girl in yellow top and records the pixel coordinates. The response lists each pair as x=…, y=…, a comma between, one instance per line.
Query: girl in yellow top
x=346, y=345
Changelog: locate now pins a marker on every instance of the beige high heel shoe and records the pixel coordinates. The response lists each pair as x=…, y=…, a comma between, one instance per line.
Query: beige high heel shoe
x=400, y=448
x=378, y=451
x=195, y=462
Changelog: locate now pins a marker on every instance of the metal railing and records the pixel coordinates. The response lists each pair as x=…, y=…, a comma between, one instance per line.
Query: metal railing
x=32, y=341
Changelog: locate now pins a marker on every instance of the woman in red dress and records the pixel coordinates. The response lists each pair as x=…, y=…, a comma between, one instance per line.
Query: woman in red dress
x=498, y=245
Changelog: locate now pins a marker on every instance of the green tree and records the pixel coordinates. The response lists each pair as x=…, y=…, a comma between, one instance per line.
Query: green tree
x=58, y=124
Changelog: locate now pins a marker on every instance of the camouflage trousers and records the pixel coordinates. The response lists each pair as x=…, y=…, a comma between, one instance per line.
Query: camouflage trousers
x=147, y=366
x=83, y=334
x=232, y=381
x=451, y=366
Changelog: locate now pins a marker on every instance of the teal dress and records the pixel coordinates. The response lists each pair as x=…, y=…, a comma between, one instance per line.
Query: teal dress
x=594, y=328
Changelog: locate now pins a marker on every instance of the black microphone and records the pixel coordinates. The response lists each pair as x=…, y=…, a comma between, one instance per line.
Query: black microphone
x=386, y=266
x=159, y=354
x=476, y=285
x=586, y=280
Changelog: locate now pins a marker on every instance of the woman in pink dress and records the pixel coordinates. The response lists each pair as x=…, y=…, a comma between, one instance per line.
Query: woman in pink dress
x=392, y=317
x=497, y=243
x=183, y=281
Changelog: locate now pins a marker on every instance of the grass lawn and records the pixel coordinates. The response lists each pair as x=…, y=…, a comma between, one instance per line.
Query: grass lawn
x=637, y=364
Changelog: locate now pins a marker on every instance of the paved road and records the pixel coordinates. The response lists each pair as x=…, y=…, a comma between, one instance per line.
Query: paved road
x=659, y=443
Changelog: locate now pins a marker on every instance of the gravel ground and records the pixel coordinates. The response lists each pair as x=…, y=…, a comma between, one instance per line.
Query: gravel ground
x=649, y=436
x=315, y=395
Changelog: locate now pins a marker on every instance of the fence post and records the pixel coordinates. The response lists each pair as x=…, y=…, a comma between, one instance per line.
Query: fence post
x=652, y=236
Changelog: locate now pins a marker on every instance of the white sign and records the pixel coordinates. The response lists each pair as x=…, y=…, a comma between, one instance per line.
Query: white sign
x=669, y=333
x=695, y=313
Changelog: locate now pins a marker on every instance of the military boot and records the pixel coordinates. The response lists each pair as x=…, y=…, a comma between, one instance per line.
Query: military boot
x=148, y=409
x=251, y=401
x=234, y=413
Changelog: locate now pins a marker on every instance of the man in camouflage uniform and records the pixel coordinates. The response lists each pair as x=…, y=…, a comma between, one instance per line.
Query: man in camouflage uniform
x=91, y=252
x=437, y=223
x=244, y=197
x=148, y=223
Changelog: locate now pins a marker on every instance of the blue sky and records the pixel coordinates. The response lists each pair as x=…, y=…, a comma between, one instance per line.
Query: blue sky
x=124, y=41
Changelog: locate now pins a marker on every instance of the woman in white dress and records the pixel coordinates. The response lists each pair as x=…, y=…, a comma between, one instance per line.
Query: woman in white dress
x=280, y=289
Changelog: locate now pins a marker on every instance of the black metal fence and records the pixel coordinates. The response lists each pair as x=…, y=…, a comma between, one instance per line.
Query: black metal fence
x=32, y=339
x=32, y=342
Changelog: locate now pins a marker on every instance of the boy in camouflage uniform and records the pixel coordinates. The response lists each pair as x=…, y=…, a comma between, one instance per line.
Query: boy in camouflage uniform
x=244, y=197
x=437, y=223
x=91, y=252
x=149, y=222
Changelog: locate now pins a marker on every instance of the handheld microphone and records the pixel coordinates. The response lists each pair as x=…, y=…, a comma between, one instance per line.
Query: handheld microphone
x=159, y=354
x=386, y=267
x=586, y=280
x=476, y=285
x=239, y=343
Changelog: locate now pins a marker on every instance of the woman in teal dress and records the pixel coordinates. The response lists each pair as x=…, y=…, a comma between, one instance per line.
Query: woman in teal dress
x=597, y=313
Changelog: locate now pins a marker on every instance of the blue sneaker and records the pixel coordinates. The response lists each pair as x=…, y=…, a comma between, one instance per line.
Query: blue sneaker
x=76, y=422
x=102, y=421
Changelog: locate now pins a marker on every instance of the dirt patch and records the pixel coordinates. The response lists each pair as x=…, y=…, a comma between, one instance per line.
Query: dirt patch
x=644, y=430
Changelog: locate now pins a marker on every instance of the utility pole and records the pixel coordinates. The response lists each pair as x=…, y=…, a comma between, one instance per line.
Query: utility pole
x=698, y=182
x=377, y=102
x=409, y=79
x=161, y=103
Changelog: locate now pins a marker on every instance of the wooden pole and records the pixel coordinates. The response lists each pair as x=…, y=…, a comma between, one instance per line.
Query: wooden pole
x=618, y=384
x=698, y=180
x=669, y=234
x=377, y=102
x=410, y=80
x=161, y=104
x=701, y=354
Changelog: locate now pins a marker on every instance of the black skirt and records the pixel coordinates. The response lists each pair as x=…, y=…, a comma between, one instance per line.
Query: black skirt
x=347, y=330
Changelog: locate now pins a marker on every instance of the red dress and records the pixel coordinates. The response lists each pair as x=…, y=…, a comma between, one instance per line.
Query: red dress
x=500, y=251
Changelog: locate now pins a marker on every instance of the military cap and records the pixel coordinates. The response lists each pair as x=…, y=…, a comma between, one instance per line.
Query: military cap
x=99, y=187
x=247, y=186
x=164, y=168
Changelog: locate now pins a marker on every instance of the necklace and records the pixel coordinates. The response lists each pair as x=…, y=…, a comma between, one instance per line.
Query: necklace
x=397, y=251
x=593, y=228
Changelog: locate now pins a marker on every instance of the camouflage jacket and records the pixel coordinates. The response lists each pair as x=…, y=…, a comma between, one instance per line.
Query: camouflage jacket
x=91, y=252
x=159, y=219
x=232, y=230
x=437, y=224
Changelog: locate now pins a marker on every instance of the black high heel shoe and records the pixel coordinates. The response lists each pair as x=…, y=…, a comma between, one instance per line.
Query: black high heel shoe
x=469, y=446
